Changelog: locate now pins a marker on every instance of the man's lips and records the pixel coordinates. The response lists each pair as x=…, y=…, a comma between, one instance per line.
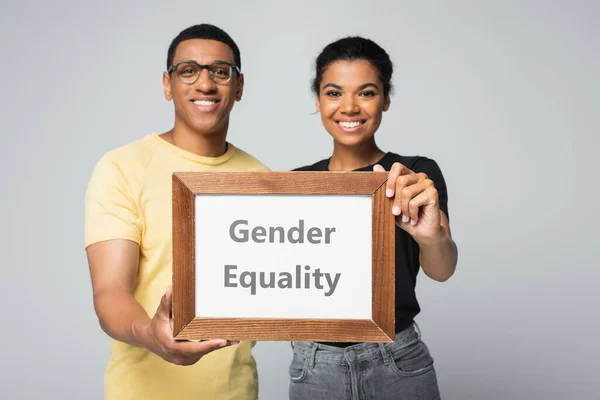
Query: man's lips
x=205, y=105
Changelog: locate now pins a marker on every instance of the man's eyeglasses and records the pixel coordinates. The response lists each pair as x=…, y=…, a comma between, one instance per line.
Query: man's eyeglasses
x=189, y=71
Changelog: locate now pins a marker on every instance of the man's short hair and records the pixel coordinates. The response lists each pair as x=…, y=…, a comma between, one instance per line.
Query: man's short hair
x=204, y=31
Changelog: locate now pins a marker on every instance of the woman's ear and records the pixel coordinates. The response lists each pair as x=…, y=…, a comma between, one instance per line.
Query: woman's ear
x=386, y=103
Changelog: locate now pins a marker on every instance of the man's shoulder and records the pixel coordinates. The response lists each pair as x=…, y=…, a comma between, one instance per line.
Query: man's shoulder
x=246, y=160
x=136, y=152
x=125, y=164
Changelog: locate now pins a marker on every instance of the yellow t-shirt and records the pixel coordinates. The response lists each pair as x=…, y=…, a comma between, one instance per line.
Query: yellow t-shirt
x=129, y=197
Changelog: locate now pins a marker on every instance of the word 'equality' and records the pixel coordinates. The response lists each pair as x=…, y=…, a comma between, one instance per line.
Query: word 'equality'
x=282, y=280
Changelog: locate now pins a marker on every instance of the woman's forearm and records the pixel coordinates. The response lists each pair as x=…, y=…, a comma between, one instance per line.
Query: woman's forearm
x=438, y=256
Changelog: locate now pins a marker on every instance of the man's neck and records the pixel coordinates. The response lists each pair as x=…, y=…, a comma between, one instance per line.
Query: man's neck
x=211, y=145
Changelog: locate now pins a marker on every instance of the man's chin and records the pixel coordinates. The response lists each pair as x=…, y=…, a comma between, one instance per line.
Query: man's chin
x=210, y=130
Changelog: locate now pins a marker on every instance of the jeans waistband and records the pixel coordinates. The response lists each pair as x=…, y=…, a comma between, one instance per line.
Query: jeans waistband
x=318, y=352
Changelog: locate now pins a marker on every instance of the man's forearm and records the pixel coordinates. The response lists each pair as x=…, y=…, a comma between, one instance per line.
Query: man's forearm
x=438, y=257
x=122, y=317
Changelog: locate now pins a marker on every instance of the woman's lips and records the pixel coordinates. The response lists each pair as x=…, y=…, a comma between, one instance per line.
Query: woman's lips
x=350, y=126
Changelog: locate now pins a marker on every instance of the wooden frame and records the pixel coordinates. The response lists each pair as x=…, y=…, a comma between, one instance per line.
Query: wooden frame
x=380, y=328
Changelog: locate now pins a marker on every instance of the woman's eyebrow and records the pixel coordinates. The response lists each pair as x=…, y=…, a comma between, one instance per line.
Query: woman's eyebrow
x=361, y=87
x=333, y=85
x=366, y=85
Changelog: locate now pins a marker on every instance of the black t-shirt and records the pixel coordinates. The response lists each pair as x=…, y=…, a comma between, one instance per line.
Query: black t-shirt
x=407, y=250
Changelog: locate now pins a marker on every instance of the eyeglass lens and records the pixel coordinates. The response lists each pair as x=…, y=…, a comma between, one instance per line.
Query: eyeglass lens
x=189, y=72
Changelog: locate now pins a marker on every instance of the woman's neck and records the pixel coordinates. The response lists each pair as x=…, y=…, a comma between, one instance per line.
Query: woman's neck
x=346, y=158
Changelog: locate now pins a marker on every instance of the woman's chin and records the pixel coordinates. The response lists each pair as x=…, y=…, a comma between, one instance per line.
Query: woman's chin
x=351, y=141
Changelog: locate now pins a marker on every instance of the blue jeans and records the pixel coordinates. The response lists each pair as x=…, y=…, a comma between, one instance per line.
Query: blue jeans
x=366, y=371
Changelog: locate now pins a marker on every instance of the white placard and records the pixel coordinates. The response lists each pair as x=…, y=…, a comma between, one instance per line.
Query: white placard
x=283, y=256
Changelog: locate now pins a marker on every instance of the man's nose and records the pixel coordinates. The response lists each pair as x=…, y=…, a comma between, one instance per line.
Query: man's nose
x=205, y=82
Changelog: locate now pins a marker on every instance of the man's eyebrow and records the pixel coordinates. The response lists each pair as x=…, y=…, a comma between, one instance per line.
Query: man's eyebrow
x=212, y=62
x=333, y=85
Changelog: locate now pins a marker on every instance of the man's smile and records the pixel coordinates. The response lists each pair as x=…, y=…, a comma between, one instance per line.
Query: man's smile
x=206, y=104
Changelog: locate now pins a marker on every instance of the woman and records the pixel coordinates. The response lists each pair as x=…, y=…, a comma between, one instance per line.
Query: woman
x=352, y=87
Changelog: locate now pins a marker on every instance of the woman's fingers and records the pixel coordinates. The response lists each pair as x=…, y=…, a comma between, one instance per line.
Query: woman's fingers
x=398, y=170
x=407, y=187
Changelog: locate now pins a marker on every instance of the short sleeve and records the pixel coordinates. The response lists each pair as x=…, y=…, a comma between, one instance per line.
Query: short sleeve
x=110, y=211
x=433, y=171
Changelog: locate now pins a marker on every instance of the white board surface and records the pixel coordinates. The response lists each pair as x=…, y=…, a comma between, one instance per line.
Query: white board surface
x=254, y=260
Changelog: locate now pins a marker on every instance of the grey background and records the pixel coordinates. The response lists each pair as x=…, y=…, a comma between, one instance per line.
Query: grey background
x=503, y=94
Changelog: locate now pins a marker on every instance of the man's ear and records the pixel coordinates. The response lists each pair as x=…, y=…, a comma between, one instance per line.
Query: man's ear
x=239, y=90
x=386, y=103
x=166, y=80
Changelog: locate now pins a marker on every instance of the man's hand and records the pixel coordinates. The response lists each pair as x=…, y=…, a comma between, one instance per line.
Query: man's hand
x=161, y=342
x=113, y=268
x=416, y=205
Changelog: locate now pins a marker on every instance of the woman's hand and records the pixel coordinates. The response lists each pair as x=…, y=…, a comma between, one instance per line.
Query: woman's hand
x=417, y=210
x=416, y=204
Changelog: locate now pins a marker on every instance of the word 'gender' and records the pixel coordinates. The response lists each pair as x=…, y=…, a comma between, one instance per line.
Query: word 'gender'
x=240, y=233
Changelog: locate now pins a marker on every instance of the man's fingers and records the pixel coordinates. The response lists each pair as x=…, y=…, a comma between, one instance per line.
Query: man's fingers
x=164, y=309
x=192, y=356
x=199, y=348
x=378, y=168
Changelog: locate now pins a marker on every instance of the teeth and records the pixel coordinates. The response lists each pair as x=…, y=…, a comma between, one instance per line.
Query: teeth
x=204, y=102
x=350, y=124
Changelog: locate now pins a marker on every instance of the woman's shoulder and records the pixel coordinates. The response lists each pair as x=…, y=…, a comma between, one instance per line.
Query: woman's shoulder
x=414, y=163
x=318, y=166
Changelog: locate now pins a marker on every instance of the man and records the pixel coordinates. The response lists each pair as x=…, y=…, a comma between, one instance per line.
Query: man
x=128, y=232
